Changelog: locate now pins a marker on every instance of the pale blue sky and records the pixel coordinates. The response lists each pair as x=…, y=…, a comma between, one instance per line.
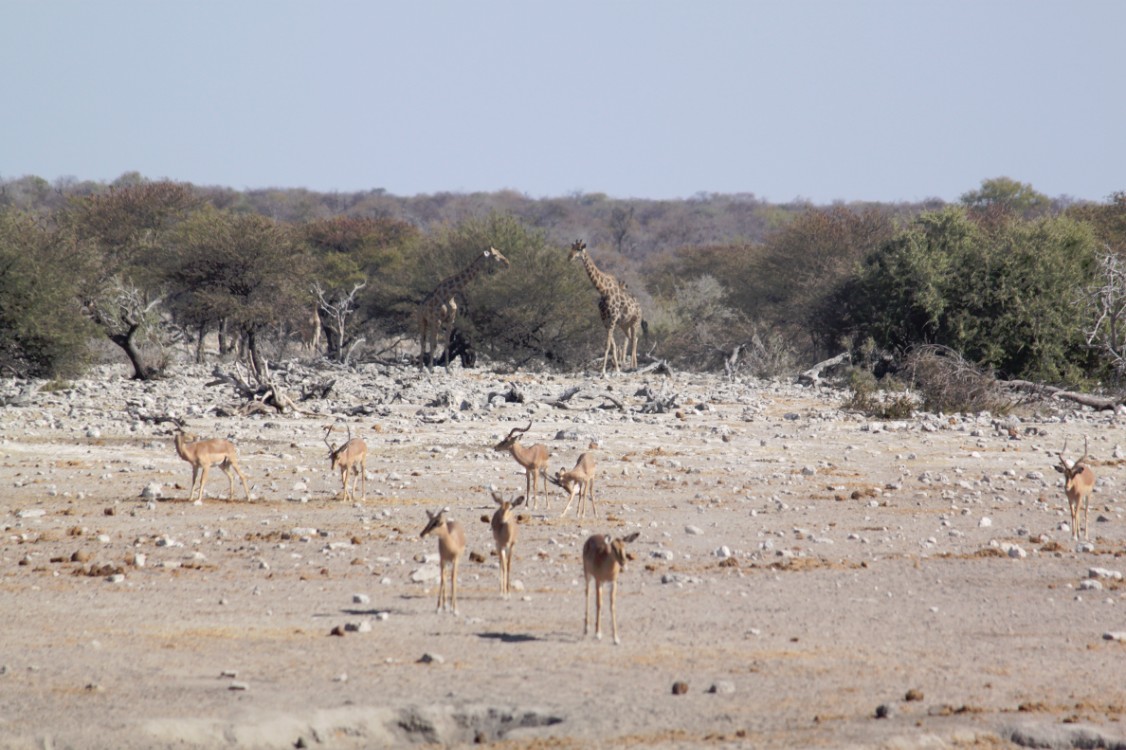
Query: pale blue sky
x=827, y=100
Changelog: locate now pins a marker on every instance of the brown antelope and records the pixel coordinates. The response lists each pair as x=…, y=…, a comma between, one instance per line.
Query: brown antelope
x=504, y=536
x=533, y=459
x=350, y=457
x=603, y=558
x=1079, y=480
x=451, y=543
x=580, y=481
x=203, y=454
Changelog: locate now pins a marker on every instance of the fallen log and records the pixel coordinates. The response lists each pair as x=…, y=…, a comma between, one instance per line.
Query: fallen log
x=812, y=376
x=1099, y=403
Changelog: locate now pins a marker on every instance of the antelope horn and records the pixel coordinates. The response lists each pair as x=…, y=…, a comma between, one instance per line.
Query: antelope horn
x=518, y=429
x=1084, y=458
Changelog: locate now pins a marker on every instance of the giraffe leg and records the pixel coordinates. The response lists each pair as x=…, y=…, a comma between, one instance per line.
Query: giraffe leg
x=422, y=326
x=610, y=345
x=450, y=333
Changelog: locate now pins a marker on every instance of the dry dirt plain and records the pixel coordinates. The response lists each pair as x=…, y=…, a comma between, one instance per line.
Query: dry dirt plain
x=814, y=578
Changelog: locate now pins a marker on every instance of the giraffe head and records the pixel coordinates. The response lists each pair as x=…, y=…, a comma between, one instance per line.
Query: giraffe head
x=577, y=248
x=493, y=253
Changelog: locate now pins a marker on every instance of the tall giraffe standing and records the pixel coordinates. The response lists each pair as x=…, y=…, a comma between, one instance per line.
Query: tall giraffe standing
x=617, y=308
x=439, y=309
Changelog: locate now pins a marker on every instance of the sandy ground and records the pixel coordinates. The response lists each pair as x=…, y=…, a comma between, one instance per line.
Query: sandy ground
x=814, y=578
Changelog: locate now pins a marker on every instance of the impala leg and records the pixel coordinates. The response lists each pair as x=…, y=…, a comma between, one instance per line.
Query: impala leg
x=363, y=481
x=226, y=468
x=597, y=609
x=191, y=493
x=1087, y=517
x=586, y=605
x=503, y=576
x=590, y=494
x=614, y=610
x=241, y=476
x=202, y=480
x=453, y=585
x=570, y=499
x=441, y=584
x=508, y=570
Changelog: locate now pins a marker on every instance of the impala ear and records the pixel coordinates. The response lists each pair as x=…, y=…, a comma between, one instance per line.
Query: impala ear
x=518, y=501
x=497, y=498
x=631, y=537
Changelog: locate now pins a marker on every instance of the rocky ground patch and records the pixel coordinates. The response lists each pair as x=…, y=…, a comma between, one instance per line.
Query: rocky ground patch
x=803, y=576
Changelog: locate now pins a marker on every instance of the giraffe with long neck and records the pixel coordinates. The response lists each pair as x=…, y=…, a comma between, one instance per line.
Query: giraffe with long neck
x=439, y=308
x=617, y=308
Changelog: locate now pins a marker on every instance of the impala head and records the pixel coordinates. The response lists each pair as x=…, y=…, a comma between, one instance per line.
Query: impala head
x=493, y=253
x=436, y=519
x=506, y=504
x=512, y=438
x=1071, y=469
x=578, y=247
x=618, y=547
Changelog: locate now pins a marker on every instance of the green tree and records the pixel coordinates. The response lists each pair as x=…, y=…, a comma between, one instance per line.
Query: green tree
x=1005, y=196
x=239, y=272
x=123, y=232
x=42, y=330
x=357, y=266
x=1006, y=296
x=535, y=309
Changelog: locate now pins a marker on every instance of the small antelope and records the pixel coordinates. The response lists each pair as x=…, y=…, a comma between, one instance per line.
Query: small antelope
x=1079, y=480
x=533, y=459
x=451, y=543
x=603, y=558
x=349, y=458
x=579, y=480
x=504, y=536
x=203, y=454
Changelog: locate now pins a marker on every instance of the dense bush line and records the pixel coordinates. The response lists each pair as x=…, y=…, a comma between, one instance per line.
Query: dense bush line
x=1012, y=281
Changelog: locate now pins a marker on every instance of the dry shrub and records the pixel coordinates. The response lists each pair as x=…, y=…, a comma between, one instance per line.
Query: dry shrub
x=872, y=400
x=950, y=384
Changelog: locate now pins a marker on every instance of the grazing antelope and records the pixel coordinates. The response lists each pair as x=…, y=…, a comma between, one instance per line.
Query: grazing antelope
x=1079, y=480
x=533, y=459
x=504, y=536
x=451, y=543
x=203, y=454
x=350, y=457
x=603, y=558
x=579, y=480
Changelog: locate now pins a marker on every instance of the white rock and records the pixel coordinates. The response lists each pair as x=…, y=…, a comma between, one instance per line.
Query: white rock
x=426, y=574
